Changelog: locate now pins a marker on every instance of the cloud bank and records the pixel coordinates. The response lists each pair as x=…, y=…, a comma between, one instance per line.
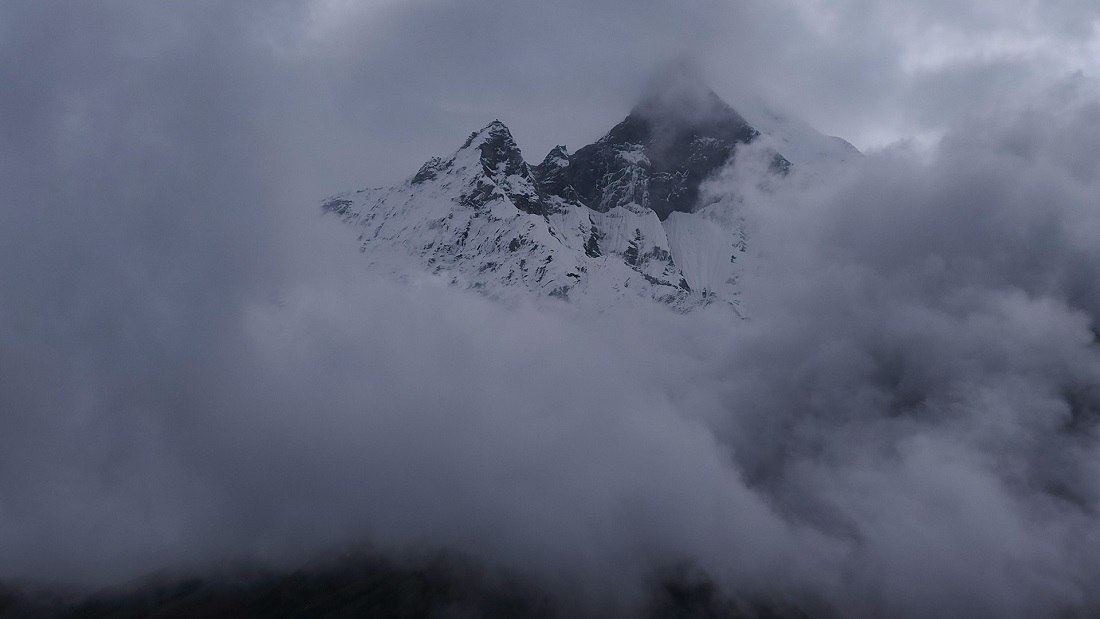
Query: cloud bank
x=196, y=371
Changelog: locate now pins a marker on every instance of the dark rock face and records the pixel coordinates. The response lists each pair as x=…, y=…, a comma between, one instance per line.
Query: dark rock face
x=499, y=152
x=553, y=172
x=501, y=160
x=656, y=158
x=429, y=170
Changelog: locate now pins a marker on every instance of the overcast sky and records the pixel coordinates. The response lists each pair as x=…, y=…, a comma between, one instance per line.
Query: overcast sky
x=872, y=71
x=193, y=367
x=363, y=92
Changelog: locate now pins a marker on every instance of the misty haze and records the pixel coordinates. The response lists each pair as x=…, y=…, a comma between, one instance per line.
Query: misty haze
x=488, y=308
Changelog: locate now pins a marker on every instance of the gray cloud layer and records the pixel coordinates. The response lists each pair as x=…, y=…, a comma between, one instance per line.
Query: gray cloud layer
x=195, y=370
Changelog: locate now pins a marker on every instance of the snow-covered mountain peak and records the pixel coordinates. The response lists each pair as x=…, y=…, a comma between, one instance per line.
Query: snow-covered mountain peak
x=490, y=165
x=616, y=220
x=493, y=148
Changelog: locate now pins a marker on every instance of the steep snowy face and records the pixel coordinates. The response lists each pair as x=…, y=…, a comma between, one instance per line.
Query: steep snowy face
x=800, y=143
x=614, y=222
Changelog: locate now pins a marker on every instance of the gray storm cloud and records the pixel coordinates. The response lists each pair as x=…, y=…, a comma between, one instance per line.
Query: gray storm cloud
x=921, y=372
x=194, y=370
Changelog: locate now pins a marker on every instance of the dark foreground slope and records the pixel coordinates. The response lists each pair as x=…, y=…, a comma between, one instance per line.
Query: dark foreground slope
x=443, y=588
